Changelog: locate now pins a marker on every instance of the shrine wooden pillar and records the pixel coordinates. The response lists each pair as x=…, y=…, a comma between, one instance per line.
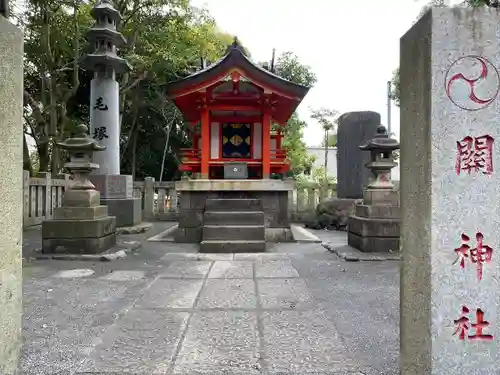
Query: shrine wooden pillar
x=266, y=145
x=205, y=143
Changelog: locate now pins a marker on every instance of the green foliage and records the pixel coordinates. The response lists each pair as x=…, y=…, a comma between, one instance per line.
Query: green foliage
x=396, y=88
x=167, y=39
x=318, y=175
x=289, y=67
x=332, y=140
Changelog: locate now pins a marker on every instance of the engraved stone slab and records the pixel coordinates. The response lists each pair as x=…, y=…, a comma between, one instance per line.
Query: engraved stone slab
x=355, y=128
x=450, y=188
x=113, y=186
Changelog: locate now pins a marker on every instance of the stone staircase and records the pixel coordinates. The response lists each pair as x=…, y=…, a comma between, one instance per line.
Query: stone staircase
x=233, y=226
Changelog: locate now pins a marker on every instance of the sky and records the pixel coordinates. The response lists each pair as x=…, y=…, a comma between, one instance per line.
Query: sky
x=351, y=45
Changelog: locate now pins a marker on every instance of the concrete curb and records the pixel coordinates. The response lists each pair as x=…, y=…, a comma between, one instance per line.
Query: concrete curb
x=164, y=236
x=136, y=229
x=302, y=235
x=119, y=251
x=350, y=254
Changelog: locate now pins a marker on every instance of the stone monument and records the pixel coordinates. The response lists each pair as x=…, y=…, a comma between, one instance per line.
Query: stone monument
x=450, y=189
x=116, y=190
x=82, y=224
x=354, y=128
x=375, y=225
x=11, y=187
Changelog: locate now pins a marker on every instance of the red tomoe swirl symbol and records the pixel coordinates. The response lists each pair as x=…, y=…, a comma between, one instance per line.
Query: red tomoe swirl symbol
x=472, y=83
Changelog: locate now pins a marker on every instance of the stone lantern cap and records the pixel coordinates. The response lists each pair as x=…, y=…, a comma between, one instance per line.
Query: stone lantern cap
x=381, y=141
x=106, y=8
x=81, y=142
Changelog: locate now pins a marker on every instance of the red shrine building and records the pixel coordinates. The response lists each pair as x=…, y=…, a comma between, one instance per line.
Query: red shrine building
x=232, y=205
x=230, y=107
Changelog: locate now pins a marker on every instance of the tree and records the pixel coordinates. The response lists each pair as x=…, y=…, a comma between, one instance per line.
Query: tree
x=328, y=119
x=166, y=39
x=289, y=67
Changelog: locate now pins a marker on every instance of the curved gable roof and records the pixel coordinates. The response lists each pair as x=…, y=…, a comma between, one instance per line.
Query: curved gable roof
x=235, y=58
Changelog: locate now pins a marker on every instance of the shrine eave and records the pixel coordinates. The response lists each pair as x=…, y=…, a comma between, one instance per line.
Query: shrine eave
x=235, y=60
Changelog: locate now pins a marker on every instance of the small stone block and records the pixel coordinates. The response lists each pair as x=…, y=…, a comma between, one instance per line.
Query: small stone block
x=80, y=213
x=128, y=211
x=78, y=245
x=67, y=229
x=378, y=212
x=188, y=235
x=374, y=227
x=381, y=196
x=81, y=198
x=190, y=218
x=373, y=244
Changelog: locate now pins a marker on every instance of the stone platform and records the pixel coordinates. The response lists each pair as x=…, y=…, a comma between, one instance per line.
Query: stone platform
x=265, y=203
x=171, y=310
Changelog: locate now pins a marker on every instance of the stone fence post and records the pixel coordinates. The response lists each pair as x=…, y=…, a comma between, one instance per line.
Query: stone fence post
x=26, y=198
x=149, y=198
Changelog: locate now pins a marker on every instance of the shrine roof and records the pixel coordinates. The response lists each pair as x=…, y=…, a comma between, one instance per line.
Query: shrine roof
x=236, y=58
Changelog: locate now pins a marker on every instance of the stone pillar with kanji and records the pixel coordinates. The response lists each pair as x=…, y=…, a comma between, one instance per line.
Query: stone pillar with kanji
x=450, y=189
x=116, y=190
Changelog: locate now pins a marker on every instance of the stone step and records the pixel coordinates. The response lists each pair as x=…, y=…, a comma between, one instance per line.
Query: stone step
x=234, y=232
x=227, y=246
x=233, y=218
x=233, y=205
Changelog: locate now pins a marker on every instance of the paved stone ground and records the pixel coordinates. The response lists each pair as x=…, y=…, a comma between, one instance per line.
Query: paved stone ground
x=298, y=309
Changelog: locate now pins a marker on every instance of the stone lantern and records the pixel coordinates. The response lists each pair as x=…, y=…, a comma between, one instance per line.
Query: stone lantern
x=375, y=225
x=381, y=162
x=81, y=224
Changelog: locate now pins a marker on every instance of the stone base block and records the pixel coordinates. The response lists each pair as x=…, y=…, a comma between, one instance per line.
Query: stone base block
x=113, y=186
x=372, y=227
x=188, y=235
x=78, y=245
x=233, y=247
x=70, y=228
x=381, y=196
x=279, y=235
x=80, y=198
x=80, y=213
x=233, y=204
x=233, y=218
x=373, y=244
x=234, y=232
x=378, y=212
x=128, y=212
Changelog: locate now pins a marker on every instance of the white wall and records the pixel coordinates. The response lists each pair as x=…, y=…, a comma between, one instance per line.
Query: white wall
x=319, y=152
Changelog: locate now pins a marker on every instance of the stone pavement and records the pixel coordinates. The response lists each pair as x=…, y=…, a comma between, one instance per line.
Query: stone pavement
x=167, y=310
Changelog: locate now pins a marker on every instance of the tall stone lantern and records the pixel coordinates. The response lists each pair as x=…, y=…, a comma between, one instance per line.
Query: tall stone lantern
x=382, y=149
x=81, y=224
x=105, y=41
x=375, y=225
